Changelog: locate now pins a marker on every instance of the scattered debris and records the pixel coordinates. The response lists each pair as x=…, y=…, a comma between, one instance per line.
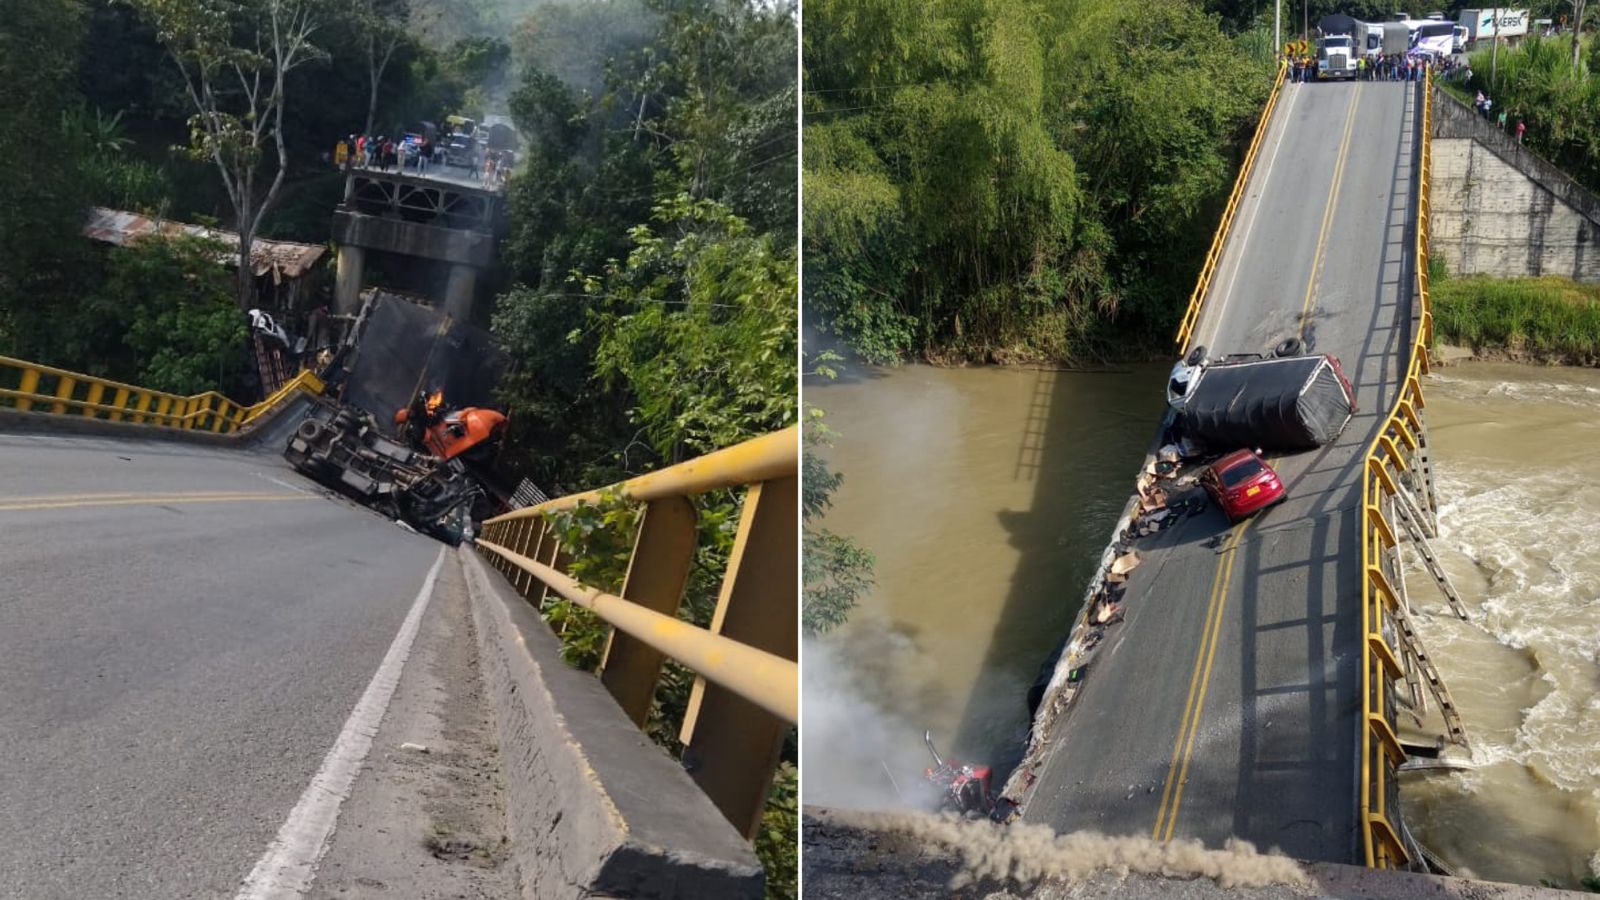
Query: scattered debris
x=1125, y=563
x=416, y=748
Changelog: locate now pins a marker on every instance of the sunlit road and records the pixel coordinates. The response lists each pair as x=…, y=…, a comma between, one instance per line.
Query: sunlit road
x=183, y=633
x=1227, y=702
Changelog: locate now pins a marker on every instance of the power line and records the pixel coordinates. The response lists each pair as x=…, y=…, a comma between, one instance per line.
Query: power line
x=876, y=87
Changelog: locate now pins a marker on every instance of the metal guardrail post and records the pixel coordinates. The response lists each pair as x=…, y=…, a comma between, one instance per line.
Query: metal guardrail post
x=95, y=391
x=28, y=385
x=64, y=386
x=731, y=745
x=658, y=572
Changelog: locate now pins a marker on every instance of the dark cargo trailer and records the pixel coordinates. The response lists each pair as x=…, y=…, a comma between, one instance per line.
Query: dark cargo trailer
x=1293, y=403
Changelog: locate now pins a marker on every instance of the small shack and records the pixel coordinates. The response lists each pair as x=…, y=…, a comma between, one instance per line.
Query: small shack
x=289, y=289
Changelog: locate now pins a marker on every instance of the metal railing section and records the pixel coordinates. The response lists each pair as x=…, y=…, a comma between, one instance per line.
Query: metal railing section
x=746, y=693
x=1387, y=470
x=29, y=386
x=1197, y=299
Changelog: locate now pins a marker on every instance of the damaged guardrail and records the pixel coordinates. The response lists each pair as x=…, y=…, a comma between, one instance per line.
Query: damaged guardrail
x=30, y=387
x=1395, y=461
x=746, y=692
x=1191, y=316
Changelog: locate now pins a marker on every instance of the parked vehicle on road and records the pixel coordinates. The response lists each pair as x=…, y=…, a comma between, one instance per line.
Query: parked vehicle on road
x=1242, y=483
x=461, y=152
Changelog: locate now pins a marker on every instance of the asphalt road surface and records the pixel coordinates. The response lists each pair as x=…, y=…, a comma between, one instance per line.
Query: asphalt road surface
x=183, y=633
x=1226, y=705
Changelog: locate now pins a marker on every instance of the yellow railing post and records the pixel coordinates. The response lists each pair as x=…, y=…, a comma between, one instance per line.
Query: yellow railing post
x=120, y=401
x=731, y=745
x=658, y=572
x=29, y=385
x=64, y=387
x=95, y=391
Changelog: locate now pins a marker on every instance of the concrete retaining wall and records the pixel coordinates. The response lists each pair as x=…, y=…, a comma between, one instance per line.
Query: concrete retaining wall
x=593, y=807
x=1500, y=210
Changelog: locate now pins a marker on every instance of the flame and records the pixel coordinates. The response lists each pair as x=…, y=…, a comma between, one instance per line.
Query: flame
x=435, y=400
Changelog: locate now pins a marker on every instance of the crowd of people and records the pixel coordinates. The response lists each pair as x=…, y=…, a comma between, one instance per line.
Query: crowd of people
x=1391, y=67
x=413, y=153
x=1485, y=107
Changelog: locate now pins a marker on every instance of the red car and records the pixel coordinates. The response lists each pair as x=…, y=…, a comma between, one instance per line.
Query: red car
x=1242, y=483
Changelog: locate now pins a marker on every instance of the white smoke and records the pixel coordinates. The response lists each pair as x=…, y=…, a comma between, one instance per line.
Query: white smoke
x=854, y=752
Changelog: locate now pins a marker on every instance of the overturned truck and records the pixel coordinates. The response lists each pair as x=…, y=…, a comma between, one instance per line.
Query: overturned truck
x=1285, y=404
x=433, y=492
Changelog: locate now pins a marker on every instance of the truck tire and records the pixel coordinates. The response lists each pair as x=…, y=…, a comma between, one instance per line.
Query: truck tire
x=1288, y=347
x=1196, y=356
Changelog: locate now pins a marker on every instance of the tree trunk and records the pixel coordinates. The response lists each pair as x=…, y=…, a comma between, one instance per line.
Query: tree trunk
x=1577, y=32
x=247, y=278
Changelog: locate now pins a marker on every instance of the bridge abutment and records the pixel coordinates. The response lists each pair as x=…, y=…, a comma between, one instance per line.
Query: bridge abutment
x=1501, y=210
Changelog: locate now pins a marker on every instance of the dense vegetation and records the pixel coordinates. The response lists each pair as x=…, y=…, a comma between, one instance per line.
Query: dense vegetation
x=1040, y=178
x=1550, y=318
x=1537, y=83
x=652, y=280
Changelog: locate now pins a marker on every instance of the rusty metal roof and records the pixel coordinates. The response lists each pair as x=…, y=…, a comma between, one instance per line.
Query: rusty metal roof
x=284, y=259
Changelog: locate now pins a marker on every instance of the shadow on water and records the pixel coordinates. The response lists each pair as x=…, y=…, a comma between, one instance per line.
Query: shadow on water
x=1081, y=444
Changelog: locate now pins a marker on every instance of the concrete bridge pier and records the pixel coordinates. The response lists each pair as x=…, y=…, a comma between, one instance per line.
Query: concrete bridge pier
x=347, y=284
x=460, y=291
x=436, y=223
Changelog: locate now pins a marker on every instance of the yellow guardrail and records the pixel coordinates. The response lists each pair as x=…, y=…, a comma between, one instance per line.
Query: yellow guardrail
x=1388, y=459
x=1191, y=316
x=747, y=689
x=29, y=386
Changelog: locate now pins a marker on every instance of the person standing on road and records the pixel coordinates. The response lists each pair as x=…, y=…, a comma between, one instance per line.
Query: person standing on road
x=422, y=156
x=341, y=152
x=1521, y=127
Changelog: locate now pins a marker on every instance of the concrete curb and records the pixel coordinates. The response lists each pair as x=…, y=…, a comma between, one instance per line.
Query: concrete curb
x=593, y=807
x=13, y=420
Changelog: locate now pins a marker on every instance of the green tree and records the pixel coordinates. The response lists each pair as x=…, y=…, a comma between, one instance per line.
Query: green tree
x=699, y=329
x=836, y=571
x=235, y=59
x=165, y=317
x=42, y=205
x=988, y=181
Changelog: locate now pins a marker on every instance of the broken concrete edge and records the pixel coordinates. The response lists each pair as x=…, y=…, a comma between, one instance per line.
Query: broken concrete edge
x=593, y=806
x=30, y=422
x=842, y=859
x=1050, y=709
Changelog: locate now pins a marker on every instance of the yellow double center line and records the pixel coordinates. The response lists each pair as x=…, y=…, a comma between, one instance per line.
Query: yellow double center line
x=1167, y=815
x=68, y=501
x=1332, y=204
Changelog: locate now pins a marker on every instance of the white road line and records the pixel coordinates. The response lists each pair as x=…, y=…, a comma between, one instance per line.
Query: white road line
x=1255, y=209
x=289, y=866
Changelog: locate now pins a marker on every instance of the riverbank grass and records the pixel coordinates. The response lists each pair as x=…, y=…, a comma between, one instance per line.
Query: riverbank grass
x=1551, y=318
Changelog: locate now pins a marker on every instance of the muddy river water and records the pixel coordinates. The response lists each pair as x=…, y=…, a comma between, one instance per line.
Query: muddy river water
x=988, y=494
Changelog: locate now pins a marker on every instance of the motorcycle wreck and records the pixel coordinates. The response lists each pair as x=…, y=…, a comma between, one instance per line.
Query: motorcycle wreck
x=965, y=789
